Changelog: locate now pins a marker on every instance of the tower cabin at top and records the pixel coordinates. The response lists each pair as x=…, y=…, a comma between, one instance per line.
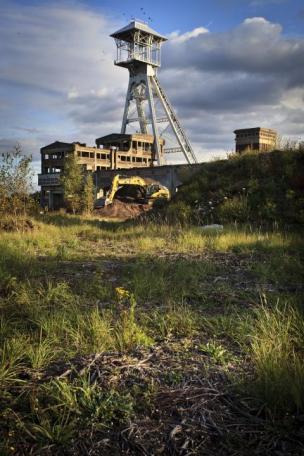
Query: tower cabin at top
x=137, y=42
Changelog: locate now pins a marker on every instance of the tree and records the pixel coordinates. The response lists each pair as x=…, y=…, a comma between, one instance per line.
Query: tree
x=72, y=182
x=15, y=182
x=88, y=194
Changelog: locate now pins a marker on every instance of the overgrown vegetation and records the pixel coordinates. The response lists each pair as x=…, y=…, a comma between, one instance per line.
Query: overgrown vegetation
x=15, y=185
x=107, y=327
x=253, y=187
x=78, y=187
x=151, y=338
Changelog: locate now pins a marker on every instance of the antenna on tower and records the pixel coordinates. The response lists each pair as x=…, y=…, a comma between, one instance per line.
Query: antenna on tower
x=139, y=50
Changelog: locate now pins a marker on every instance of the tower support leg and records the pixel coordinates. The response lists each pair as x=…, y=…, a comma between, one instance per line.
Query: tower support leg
x=174, y=122
x=159, y=156
x=126, y=110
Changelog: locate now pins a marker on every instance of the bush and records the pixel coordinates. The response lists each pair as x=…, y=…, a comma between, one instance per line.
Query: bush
x=234, y=209
x=179, y=212
x=15, y=182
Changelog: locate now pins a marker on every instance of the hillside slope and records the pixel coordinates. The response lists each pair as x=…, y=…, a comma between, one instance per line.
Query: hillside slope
x=254, y=187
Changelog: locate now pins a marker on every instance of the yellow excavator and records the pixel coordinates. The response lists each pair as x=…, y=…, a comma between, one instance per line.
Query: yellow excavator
x=136, y=189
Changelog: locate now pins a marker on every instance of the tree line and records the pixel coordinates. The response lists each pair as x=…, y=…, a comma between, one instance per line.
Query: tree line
x=16, y=187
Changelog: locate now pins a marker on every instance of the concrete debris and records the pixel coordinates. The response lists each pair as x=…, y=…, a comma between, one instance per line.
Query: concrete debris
x=214, y=227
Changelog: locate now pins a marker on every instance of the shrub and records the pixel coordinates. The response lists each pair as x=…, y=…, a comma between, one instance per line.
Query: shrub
x=178, y=212
x=15, y=182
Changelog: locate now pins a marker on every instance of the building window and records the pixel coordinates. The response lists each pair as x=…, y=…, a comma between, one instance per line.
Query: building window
x=92, y=154
x=85, y=154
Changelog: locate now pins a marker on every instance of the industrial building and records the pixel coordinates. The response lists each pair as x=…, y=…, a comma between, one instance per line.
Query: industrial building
x=260, y=139
x=128, y=151
x=114, y=151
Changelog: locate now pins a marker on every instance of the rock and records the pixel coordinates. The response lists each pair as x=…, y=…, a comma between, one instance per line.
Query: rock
x=214, y=227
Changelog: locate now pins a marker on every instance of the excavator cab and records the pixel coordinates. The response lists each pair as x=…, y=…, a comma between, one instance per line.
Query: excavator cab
x=137, y=190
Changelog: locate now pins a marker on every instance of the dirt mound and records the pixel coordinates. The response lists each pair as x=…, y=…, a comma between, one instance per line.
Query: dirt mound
x=121, y=210
x=11, y=224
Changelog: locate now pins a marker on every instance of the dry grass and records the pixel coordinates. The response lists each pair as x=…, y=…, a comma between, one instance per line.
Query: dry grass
x=107, y=328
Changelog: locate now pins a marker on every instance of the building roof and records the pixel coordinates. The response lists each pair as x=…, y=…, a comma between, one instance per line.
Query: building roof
x=255, y=130
x=118, y=136
x=56, y=144
x=124, y=33
x=113, y=137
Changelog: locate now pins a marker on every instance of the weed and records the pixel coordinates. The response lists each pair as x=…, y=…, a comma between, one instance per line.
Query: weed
x=178, y=320
x=40, y=354
x=128, y=332
x=217, y=352
x=88, y=401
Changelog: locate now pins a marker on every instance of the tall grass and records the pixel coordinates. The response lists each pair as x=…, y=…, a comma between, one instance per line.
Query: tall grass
x=277, y=346
x=75, y=287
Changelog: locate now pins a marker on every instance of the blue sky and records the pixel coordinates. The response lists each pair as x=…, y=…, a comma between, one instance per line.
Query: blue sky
x=217, y=15
x=228, y=64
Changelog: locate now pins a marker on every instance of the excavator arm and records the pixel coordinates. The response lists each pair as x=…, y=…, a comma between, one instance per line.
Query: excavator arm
x=120, y=180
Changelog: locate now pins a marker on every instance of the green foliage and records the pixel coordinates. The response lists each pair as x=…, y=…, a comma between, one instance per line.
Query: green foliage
x=235, y=208
x=178, y=321
x=88, y=195
x=78, y=187
x=217, y=351
x=89, y=401
x=128, y=332
x=178, y=212
x=72, y=182
x=252, y=187
x=15, y=182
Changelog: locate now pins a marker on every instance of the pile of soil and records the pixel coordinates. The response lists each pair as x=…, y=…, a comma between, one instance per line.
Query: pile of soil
x=16, y=224
x=121, y=210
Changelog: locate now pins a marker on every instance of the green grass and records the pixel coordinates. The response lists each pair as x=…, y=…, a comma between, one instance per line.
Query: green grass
x=260, y=188
x=75, y=287
x=277, y=347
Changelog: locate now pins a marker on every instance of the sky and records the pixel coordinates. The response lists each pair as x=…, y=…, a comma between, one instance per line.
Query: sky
x=227, y=64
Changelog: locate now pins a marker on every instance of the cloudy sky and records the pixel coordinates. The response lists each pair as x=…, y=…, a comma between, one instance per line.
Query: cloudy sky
x=228, y=64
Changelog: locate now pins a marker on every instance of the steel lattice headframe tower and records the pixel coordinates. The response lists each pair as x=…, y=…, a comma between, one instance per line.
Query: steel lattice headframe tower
x=138, y=49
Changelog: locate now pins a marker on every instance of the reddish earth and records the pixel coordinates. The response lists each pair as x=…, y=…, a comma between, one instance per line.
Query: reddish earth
x=121, y=210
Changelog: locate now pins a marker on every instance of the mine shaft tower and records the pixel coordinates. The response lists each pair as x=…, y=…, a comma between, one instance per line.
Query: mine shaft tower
x=139, y=50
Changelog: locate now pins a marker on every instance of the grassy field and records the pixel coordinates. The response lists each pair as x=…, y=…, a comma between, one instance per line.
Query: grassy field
x=146, y=339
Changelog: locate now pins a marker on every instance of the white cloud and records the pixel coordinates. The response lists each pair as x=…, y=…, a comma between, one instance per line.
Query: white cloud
x=58, y=80
x=177, y=38
x=266, y=2
x=52, y=56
